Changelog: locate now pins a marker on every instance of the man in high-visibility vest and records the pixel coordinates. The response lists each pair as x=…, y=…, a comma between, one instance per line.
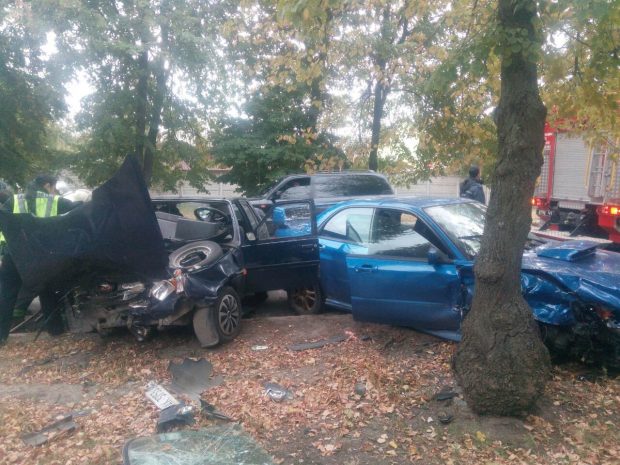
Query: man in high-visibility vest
x=5, y=195
x=40, y=200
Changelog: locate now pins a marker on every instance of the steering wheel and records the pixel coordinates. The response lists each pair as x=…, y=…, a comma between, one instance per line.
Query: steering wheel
x=212, y=215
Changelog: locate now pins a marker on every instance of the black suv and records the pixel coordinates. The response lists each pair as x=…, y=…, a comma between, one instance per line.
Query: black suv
x=325, y=189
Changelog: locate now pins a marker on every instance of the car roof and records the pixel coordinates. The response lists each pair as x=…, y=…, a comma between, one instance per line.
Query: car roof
x=190, y=199
x=403, y=202
x=334, y=173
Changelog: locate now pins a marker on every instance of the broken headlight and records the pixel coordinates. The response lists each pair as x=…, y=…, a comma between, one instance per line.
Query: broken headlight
x=161, y=290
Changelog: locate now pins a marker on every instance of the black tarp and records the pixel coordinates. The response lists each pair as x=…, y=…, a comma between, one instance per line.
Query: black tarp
x=116, y=230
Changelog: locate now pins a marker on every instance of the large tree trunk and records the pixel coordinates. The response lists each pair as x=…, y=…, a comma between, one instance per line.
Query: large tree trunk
x=501, y=363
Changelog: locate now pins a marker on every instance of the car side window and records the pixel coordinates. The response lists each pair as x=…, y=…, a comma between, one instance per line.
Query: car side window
x=291, y=220
x=296, y=193
x=397, y=233
x=351, y=224
x=262, y=232
x=349, y=185
x=295, y=189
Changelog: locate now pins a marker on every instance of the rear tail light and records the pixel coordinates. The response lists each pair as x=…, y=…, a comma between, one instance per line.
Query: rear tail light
x=539, y=202
x=611, y=210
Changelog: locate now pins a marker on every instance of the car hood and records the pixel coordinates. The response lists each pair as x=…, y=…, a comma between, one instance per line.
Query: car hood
x=116, y=230
x=579, y=267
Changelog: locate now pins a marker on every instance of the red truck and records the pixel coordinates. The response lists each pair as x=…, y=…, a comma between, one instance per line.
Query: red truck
x=579, y=186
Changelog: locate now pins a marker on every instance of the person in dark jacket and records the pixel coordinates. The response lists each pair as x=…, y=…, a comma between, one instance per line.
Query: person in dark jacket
x=40, y=200
x=471, y=188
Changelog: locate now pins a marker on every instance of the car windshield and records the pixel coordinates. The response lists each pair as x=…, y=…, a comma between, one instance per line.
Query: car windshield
x=268, y=187
x=463, y=223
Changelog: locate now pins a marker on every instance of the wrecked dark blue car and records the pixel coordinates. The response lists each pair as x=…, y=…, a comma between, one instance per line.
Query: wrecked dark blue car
x=409, y=262
x=124, y=260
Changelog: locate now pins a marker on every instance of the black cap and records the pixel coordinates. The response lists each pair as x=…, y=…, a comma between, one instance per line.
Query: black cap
x=43, y=179
x=474, y=171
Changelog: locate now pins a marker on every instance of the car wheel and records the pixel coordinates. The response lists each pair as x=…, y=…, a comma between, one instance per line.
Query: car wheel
x=195, y=255
x=306, y=300
x=226, y=316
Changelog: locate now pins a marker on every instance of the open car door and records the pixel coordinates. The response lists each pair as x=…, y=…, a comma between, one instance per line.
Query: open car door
x=282, y=251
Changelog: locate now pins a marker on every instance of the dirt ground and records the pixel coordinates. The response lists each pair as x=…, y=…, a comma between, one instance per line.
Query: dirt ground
x=365, y=401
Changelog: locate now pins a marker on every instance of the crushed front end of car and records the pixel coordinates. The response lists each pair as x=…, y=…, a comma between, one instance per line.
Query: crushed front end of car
x=574, y=292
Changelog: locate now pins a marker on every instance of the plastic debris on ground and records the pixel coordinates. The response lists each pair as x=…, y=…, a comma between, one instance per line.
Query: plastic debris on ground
x=64, y=425
x=259, y=347
x=360, y=388
x=317, y=344
x=446, y=393
x=159, y=396
x=192, y=377
x=277, y=393
x=209, y=411
x=215, y=445
x=175, y=415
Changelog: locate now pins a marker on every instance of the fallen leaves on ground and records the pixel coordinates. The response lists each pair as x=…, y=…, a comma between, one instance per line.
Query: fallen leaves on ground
x=327, y=421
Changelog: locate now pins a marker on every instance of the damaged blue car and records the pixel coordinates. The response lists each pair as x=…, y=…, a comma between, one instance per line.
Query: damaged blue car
x=409, y=262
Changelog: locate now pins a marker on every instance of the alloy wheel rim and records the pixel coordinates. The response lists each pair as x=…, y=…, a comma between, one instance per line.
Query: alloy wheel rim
x=228, y=314
x=305, y=298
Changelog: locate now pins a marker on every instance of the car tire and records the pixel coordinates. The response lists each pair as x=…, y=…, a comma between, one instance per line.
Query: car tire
x=226, y=317
x=195, y=255
x=306, y=300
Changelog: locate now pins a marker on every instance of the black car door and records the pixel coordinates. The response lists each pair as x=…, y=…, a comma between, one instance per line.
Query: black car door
x=281, y=251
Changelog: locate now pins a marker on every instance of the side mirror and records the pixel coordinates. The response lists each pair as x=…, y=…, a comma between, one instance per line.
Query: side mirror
x=437, y=257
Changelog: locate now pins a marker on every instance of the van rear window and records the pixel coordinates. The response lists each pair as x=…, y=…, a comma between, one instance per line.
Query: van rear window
x=350, y=185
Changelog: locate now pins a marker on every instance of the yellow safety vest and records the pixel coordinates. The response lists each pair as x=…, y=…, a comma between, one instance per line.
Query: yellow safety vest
x=45, y=206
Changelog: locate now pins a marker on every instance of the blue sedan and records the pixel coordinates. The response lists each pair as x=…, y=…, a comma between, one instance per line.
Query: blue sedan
x=409, y=262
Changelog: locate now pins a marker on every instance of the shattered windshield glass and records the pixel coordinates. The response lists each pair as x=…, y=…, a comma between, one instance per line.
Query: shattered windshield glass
x=216, y=445
x=463, y=223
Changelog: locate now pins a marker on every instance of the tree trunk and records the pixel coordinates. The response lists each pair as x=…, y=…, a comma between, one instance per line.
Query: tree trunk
x=501, y=363
x=155, y=121
x=141, y=97
x=317, y=94
x=381, y=92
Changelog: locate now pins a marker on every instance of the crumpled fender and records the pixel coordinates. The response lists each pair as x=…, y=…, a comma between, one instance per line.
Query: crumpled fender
x=205, y=284
x=549, y=302
x=593, y=279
